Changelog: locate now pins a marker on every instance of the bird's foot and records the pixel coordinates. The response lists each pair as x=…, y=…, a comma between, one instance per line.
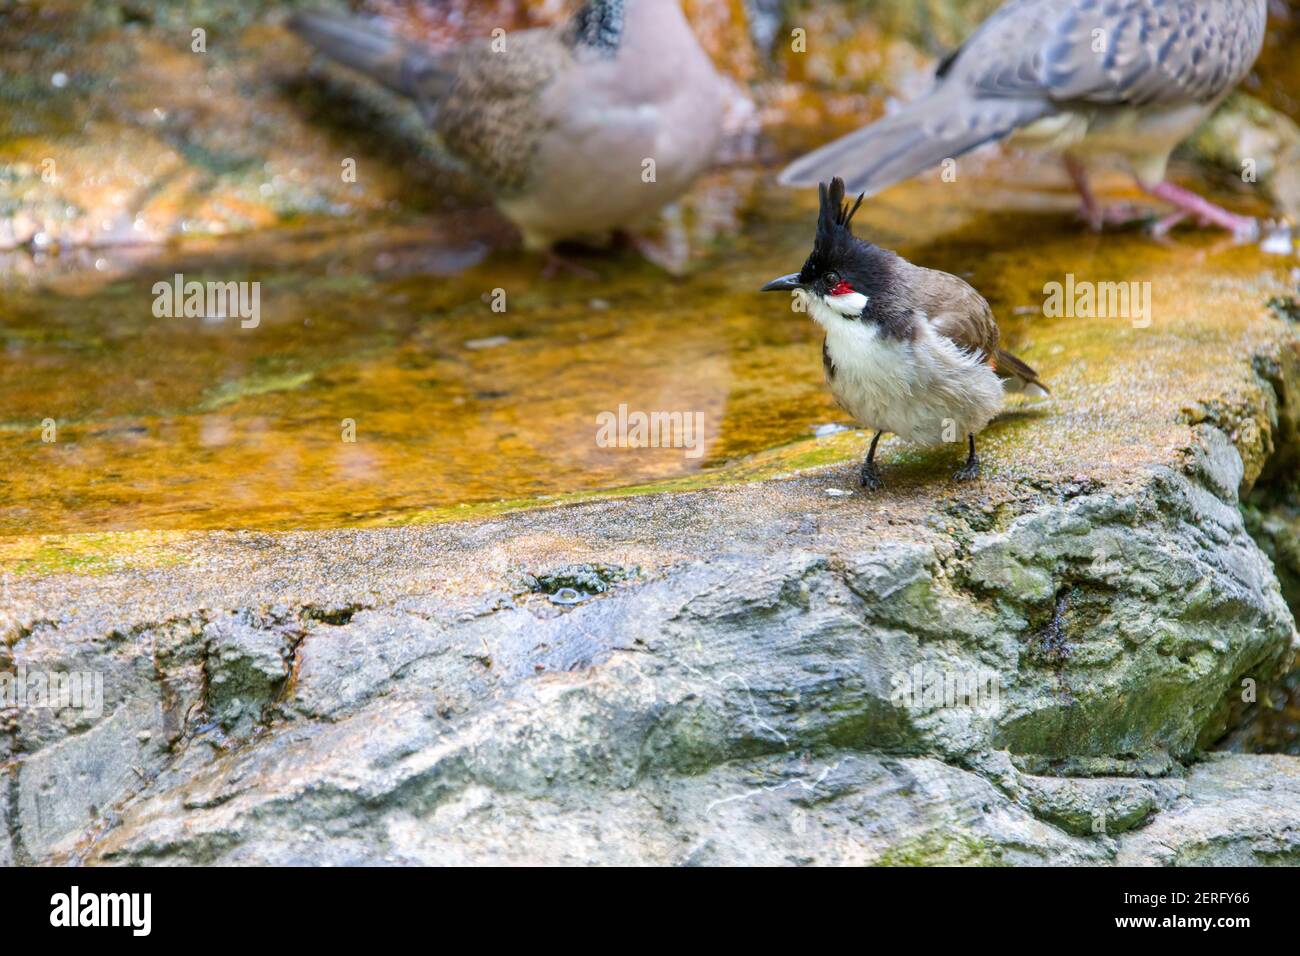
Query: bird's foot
x=1206, y=213
x=1165, y=224
x=1114, y=216
x=1127, y=213
x=1090, y=210
x=1092, y=215
x=969, y=471
x=671, y=252
x=869, y=479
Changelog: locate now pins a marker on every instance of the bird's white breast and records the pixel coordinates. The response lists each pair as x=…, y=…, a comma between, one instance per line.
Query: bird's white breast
x=925, y=390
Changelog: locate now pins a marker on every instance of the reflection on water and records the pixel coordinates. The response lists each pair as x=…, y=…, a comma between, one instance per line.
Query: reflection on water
x=464, y=376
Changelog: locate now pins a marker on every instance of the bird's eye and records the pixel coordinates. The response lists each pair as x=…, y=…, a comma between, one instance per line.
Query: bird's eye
x=832, y=279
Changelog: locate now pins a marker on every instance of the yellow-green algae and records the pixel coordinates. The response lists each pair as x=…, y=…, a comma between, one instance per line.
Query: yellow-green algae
x=953, y=847
x=91, y=553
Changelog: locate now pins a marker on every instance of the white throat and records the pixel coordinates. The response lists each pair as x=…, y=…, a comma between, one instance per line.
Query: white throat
x=825, y=309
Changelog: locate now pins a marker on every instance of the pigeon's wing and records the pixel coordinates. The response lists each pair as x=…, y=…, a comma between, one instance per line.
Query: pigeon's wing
x=482, y=98
x=488, y=115
x=1112, y=52
x=1032, y=58
x=371, y=48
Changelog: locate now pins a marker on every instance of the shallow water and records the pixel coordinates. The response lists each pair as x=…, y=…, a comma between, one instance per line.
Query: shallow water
x=185, y=423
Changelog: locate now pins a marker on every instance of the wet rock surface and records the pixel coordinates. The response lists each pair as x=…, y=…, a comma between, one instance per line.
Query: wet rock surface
x=783, y=695
x=1237, y=811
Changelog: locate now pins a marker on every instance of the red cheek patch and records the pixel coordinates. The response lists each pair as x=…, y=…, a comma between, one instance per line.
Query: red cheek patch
x=842, y=289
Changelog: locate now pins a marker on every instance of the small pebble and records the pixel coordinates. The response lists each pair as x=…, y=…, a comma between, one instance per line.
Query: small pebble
x=838, y=493
x=488, y=343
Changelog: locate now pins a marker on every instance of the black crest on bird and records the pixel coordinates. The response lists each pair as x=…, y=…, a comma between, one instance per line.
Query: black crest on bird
x=835, y=241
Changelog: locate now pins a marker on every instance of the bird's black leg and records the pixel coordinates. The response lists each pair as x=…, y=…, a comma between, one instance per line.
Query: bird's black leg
x=870, y=480
x=971, y=470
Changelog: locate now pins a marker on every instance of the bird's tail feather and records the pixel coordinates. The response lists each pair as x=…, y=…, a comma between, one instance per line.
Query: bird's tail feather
x=940, y=126
x=368, y=49
x=1017, y=376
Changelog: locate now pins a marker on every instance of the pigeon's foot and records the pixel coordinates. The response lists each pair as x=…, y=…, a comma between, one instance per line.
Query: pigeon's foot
x=1091, y=210
x=1117, y=215
x=1189, y=204
x=670, y=252
x=1165, y=224
x=557, y=265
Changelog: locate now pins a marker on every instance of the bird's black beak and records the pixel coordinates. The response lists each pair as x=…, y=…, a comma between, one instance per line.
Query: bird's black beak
x=784, y=284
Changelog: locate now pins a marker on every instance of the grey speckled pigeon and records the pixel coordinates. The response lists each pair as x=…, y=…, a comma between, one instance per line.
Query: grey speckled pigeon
x=1085, y=78
x=559, y=122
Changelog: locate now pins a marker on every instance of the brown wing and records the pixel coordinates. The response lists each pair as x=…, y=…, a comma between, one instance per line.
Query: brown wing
x=956, y=311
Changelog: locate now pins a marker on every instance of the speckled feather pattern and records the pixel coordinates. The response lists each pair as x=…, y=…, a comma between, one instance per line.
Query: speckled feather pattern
x=1130, y=52
x=1129, y=78
x=483, y=101
x=488, y=118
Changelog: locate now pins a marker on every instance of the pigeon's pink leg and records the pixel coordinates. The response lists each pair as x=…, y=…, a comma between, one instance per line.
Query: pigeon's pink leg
x=1090, y=209
x=1165, y=225
x=1204, y=210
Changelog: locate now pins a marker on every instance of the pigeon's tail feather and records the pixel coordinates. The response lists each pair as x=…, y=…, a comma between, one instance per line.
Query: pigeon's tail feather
x=1017, y=376
x=940, y=126
x=370, y=50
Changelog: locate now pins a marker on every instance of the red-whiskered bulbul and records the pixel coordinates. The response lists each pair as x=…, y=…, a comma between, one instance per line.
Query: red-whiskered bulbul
x=908, y=350
x=562, y=123
x=1088, y=79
